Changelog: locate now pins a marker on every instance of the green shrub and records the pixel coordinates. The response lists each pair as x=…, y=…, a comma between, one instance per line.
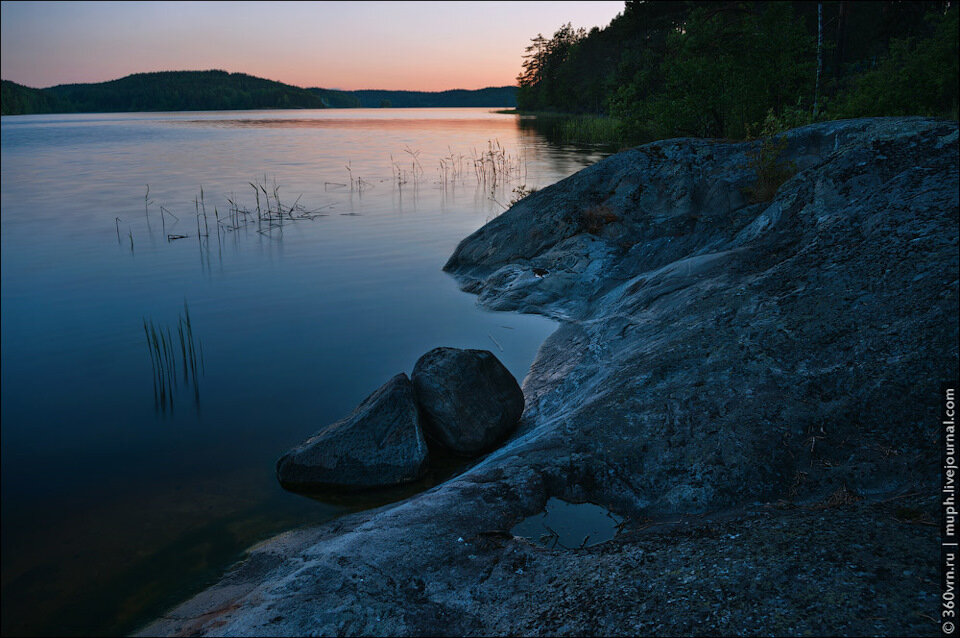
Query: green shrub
x=522, y=191
x=918, y=77
x=767, y=162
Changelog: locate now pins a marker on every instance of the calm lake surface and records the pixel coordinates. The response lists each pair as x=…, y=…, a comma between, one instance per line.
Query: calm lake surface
x=118, y=503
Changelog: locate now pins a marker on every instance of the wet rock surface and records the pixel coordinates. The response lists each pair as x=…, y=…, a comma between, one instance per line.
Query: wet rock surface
x=468, y=400
x=379, y=444
x=752, y=387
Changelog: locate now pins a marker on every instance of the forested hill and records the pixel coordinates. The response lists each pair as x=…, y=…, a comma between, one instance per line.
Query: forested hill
x=724, y=69
x=219, y=90
x=162, y=91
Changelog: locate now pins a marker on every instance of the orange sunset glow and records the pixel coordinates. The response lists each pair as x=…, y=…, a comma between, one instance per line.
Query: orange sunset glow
x=426, y=46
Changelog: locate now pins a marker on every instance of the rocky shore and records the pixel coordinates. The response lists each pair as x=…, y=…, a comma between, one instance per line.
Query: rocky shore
x=752, y=386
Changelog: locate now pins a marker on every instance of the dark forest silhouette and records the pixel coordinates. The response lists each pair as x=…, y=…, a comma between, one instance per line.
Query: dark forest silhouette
x=219, y=90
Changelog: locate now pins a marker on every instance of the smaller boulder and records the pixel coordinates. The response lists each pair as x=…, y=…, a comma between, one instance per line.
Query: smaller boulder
x=469, y=402
x=379, y=445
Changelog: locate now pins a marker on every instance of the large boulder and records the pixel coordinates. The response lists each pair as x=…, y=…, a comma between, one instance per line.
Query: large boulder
x=469, y=402
x=380, y=444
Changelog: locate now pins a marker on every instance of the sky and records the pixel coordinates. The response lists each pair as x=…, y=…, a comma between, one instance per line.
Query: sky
x=428, y=46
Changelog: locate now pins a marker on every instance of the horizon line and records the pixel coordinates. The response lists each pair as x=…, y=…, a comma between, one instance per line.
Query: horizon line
x=305, y=88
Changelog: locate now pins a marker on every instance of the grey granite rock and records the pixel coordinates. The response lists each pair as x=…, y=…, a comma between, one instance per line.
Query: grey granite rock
x=379, y=444
x=469, y=402
x=776, y=364
x=718, y=351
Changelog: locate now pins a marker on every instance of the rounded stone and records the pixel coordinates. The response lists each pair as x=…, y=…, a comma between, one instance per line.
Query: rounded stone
x=469, y=402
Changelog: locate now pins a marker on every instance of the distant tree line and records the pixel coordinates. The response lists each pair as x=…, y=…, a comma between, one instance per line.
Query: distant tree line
x=219, y=90
x=505, y=96
x=161, y=91
x=723, y=69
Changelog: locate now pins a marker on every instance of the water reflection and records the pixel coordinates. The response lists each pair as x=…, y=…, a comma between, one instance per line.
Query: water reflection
x=397, y=124
x=303, y=309
x=569, y=525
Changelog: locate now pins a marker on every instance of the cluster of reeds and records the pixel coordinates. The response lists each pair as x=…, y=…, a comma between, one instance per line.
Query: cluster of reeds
x=495, y=165
x=164, y=213
x=451, y=167
x=415, y=166
x=592, y=129
x=356, y=183
x=588, y=130
x=129, y=234
x=493, y=168
x=269, y=213
x=399, y=176
x=169, y=355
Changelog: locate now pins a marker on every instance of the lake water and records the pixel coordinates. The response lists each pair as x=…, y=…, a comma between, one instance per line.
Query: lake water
x=117, y=502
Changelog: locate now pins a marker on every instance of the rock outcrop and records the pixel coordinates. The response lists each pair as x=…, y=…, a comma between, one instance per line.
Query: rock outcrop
x=468, y=400
x=379, y=444
x=767, y=374
x=742, y=349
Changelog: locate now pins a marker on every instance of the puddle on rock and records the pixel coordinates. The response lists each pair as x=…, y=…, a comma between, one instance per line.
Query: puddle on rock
x=569, y=525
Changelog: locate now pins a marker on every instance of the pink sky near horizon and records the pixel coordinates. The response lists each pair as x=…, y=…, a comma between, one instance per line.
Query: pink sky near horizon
x=427, y=46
